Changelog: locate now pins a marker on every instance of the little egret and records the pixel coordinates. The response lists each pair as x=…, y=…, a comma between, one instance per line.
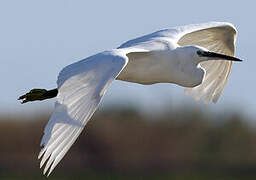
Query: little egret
x=198, y=57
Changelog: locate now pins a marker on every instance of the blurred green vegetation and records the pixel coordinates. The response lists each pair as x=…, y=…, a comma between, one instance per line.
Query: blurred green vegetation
x=182, y=144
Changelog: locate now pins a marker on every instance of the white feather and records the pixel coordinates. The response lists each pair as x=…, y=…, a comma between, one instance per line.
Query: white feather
x=218, y=37
x=81, y=86
x=152, y=59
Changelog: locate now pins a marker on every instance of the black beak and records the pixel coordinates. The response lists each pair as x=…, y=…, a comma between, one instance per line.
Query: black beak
x=220, y=56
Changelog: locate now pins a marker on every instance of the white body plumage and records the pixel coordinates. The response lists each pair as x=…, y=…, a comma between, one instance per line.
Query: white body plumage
x=165, y=66
x=178, y=55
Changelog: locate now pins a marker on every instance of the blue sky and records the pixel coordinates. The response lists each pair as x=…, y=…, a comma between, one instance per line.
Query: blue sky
x=39, y=38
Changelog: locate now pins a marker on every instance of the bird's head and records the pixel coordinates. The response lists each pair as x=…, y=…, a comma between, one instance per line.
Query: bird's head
x=201, y=54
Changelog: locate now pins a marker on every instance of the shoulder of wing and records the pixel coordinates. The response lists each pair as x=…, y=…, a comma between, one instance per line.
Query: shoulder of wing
x=104, y=60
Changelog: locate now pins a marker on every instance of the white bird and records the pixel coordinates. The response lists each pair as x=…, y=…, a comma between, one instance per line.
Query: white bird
x=198, y=57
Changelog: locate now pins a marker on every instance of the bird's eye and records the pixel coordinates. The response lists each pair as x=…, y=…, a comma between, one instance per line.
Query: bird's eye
x=199, y=53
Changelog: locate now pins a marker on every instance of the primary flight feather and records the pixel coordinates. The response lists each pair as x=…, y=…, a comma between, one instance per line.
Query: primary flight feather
x=198, y=57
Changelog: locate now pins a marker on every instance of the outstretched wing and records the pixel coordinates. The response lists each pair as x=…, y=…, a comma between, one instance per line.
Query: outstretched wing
x=218, y=37
x=80, y=88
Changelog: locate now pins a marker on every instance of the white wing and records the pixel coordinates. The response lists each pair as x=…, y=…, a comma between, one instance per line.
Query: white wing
x=80, y=88
x=215, y=36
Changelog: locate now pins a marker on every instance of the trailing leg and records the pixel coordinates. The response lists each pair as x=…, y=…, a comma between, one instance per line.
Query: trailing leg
x=38, y=94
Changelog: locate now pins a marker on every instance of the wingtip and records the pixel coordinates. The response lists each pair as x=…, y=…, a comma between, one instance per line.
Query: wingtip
x=42, y=151
x=39, y=155
x=41, y=165
x=44, y=172
x=50, y=171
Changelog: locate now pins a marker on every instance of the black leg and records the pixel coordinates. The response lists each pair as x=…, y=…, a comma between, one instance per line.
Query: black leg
x=38, y=95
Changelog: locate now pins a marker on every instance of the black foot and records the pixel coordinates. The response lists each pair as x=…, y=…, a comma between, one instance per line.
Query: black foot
x=34, y=95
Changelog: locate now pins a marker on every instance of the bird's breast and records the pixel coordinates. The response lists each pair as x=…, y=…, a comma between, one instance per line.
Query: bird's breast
x=160, y=67
x=145, y=68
